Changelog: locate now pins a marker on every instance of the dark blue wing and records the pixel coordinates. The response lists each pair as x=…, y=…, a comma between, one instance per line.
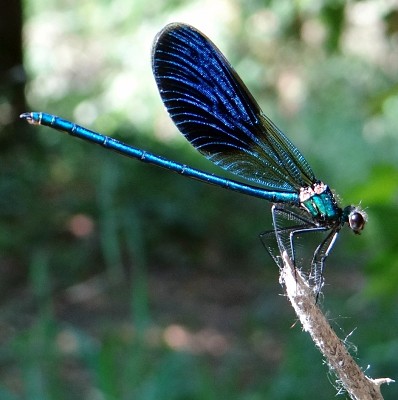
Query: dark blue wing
x=214, y=110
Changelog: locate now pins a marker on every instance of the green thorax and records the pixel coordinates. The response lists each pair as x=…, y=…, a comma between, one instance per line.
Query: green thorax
x=320, y=202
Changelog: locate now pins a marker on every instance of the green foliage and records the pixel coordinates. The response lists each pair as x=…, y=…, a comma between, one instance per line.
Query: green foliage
x=121, y=281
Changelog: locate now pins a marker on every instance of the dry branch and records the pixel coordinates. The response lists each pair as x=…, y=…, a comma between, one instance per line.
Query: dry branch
x=351, y=376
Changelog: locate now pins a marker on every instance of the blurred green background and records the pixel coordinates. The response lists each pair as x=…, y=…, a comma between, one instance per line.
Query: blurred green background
x=123, y=281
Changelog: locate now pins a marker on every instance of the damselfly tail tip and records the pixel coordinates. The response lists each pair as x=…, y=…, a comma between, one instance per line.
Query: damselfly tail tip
x=30, y=118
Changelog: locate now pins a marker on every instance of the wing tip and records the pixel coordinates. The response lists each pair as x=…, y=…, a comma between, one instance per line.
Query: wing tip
x=171, y=27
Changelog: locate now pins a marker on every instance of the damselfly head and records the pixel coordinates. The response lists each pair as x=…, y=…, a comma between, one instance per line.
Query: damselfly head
x=356, y=218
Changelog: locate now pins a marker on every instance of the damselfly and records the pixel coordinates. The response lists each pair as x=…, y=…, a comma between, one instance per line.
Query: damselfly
x=214, y=110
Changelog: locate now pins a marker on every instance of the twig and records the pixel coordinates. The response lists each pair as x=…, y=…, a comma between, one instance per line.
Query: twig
x=300, y=294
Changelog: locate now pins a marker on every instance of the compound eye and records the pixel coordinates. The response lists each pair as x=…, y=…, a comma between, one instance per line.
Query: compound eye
x=357, y=222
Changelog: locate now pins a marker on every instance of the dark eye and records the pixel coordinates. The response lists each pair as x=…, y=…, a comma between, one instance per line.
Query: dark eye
x=357, y=222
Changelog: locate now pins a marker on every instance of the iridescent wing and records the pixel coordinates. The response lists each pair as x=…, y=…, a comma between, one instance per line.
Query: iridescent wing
x=215, y=111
